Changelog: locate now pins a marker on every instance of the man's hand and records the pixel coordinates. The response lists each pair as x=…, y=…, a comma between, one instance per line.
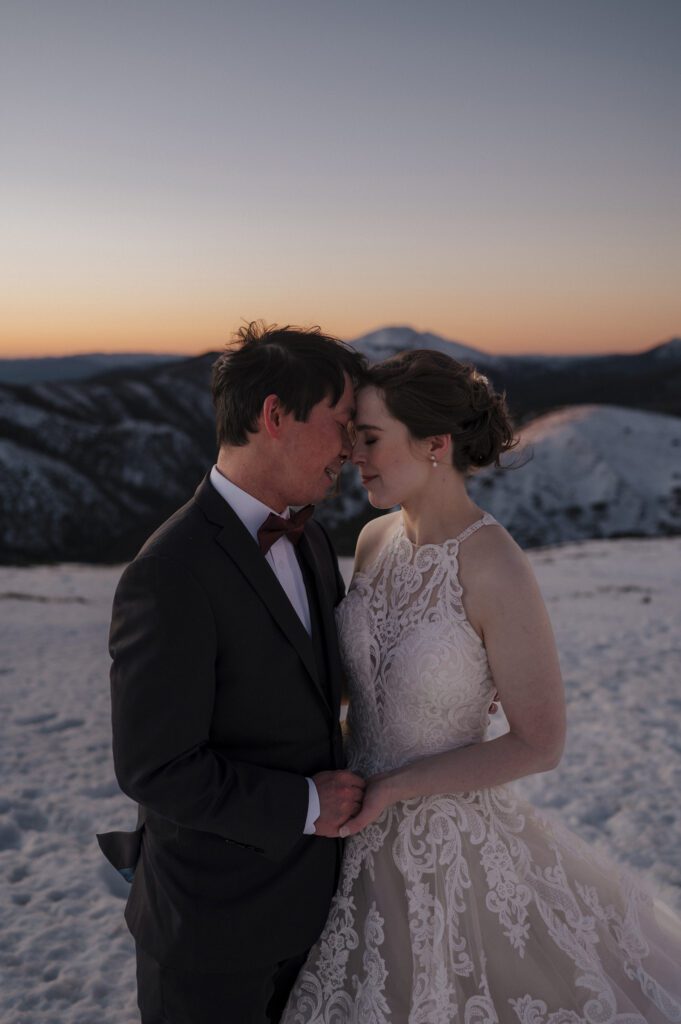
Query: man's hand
x=340, y=797
x=376, y=798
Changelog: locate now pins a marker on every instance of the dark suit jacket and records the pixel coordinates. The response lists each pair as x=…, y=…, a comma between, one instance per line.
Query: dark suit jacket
x=220, y=709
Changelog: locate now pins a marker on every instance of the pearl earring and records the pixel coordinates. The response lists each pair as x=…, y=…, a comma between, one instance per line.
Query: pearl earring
x=434, y=461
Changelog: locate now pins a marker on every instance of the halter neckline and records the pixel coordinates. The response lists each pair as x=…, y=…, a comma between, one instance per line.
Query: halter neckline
x=486, y=519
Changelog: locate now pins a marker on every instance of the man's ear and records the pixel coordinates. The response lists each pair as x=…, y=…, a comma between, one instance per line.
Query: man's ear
x=272, y=416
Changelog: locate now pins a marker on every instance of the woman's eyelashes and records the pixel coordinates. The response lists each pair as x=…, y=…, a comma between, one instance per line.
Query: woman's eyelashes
x=360, y=440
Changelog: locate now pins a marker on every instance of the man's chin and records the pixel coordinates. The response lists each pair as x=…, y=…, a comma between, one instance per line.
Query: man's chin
x=327, y=489
x=334, y=488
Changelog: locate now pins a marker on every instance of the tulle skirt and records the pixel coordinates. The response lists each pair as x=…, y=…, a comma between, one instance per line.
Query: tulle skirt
x=479, y=908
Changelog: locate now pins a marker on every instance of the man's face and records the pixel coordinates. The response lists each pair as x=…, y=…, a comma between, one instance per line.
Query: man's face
x=314, y=451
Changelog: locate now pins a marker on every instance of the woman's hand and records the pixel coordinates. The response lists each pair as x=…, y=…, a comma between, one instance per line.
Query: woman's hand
x=377, y=797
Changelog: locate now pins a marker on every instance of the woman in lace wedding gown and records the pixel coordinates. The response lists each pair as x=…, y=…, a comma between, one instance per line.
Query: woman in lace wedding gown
x=458, y=901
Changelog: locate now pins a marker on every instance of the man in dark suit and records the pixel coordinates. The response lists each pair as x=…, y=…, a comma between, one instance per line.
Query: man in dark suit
x=226, y=695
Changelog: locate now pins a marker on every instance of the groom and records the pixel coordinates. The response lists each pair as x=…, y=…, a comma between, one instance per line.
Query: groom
x=226, y=692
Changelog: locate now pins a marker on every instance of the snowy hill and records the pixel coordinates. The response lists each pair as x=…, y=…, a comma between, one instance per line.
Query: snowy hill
x=588, y=471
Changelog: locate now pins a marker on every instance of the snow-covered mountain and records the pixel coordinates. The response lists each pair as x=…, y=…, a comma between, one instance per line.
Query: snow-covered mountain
x=89, y=468
x=588, y=471
x=388, y=341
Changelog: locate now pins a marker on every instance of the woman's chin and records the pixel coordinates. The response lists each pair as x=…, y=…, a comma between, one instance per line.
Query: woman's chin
x=377, y=501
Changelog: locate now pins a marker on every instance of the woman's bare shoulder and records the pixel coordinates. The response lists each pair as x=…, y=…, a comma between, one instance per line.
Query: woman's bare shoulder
x=373, y=536
x=496, y=576
x=491, y=554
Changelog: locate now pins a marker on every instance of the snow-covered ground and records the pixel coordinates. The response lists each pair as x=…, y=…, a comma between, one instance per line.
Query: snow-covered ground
x=65, y=954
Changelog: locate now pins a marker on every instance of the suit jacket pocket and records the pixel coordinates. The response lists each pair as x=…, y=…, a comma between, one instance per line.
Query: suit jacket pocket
x=122, y=849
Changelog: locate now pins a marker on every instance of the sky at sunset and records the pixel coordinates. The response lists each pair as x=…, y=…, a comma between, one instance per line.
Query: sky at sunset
x=505, y=173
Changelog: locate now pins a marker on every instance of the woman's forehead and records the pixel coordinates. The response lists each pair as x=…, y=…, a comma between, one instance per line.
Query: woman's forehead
x=369, y=399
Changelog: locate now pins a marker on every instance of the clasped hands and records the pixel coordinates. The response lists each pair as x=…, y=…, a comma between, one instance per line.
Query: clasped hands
x=348, y=803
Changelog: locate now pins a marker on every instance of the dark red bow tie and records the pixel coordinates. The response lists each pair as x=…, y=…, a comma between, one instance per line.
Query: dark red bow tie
x=275, y=527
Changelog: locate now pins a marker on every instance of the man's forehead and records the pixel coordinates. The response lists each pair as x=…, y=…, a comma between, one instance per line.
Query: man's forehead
x=346, y=406
x=346, y=402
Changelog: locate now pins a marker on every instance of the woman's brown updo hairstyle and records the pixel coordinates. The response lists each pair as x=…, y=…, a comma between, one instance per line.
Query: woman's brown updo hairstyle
x=433, y=394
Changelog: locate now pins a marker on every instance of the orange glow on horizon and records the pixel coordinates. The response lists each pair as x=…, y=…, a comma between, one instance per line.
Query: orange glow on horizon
x=95, y=343
x=187, y=313
x=516, y=318
x=193, y=336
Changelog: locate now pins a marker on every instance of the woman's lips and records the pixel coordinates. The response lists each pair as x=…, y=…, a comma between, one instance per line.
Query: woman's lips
x=367, y=479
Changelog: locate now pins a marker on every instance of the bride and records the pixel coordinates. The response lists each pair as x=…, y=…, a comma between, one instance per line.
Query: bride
x=458, y=901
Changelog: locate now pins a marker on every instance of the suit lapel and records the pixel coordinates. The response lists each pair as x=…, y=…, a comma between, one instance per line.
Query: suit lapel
x=237, y=542
x=328, y=622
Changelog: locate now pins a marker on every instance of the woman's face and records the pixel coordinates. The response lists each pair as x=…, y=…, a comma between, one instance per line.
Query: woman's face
x=393, y=465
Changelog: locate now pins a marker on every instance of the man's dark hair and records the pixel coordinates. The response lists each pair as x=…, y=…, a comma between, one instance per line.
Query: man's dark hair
x=301, y=366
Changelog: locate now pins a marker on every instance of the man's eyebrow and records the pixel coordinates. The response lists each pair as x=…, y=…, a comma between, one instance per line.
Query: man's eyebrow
x=367, y=426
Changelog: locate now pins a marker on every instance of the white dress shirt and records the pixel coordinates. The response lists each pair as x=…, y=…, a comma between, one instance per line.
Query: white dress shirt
x=282, y=559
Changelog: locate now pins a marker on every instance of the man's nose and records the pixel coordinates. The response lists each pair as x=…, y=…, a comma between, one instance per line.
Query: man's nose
x=346, y=444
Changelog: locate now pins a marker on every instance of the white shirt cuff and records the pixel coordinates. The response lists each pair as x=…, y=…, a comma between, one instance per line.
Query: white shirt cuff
x=313, y=809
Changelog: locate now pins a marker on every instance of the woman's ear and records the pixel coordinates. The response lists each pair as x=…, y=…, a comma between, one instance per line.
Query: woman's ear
x=440, y=448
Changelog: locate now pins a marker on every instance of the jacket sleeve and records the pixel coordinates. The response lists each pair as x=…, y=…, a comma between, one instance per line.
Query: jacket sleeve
x=163, y=644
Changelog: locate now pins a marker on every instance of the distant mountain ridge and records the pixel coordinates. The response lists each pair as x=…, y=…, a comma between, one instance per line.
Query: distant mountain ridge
x=91, y=467
x=61, y=368
x=388, y=341
x=534, y=384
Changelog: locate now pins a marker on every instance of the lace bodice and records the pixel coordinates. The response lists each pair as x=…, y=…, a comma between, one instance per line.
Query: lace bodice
x=418, y=673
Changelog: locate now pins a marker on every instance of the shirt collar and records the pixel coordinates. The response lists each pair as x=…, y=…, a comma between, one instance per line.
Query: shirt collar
x=250, y=510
